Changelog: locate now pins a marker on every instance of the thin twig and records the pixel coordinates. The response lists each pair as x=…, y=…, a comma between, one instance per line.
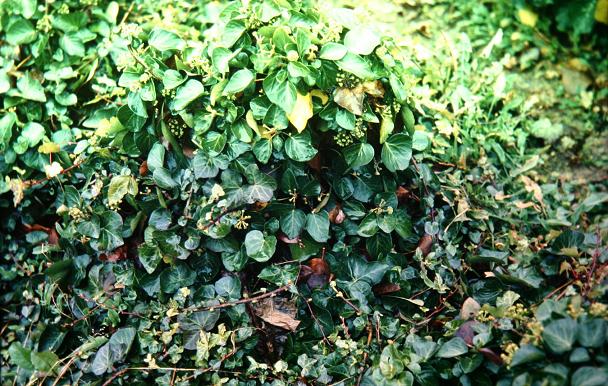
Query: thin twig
x=29, y=184
x=242, y=301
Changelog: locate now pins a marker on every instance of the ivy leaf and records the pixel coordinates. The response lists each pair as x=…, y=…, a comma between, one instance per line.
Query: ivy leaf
x=591, y=332
x=359, y=154
x=369, y=272
x=229, y=287
x=559, y=335
x=361, y=41
x=397, y=152
x=20, y=356
x=292, y=223
x=299, y=147
x=187, y=93
x=103, y=360
x=149, y=257
x=258, y=247
x=262, y=186
x=44, y=361
x=239, y=81
x=121, y=341
x=162, y=178
x=590, y=376
x=526, y=354
x=221, y=58
x=452, y=348
x=20, y=31
x=356, y=65
x=280, y=91
x=164, y=40
x=176, y=277
x=72, y=45
x=33, y=133
x=31, y=88
x=333, y=51
x=263, y=150
x=156, y=157
x=110, y=232
x=317, y=226
x=232, y=32
x=172, y=79
x=214, y=143
x=121, y=186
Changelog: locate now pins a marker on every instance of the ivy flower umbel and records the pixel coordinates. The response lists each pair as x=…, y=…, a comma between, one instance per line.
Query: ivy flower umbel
x=509, y=350
x=242, y=221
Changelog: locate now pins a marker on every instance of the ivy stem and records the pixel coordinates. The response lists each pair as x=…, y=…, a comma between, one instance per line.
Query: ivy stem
x=244, y=300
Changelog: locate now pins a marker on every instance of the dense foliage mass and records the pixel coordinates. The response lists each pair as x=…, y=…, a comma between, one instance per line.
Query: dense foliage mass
x=260, y=192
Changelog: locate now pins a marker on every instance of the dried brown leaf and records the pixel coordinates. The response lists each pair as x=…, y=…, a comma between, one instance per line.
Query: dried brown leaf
x=350, y=98
x=278, y=312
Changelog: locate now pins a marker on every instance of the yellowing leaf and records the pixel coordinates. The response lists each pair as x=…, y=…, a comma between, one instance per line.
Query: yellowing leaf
x=252, y=122
x=321, y=95
x=601, y=11
x=302, y=112
x=527, y=17
x=108, y=126
x=446, y=128
x=48, y=148
x=374, y=88
x=260, y=130
x=386, y=128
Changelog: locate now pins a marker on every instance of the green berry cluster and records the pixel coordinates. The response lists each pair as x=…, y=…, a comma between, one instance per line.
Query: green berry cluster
x=44, y=24
x=168, y=93
x=344, y=138
x=114, y=205
x=253, y=23
x=64, y=9
x=89, y=2
x=176, y=126
x=360, y=129
x=332, y=33
x=77, y=214
x=346, y=79
x=517, y=312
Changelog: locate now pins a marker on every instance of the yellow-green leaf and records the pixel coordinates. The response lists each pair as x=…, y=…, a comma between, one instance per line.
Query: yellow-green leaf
x=386, y=128
x=48, y=148
x=527, y=17
x=302, y=112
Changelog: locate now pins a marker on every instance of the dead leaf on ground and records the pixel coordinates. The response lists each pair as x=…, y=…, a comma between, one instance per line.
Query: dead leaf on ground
x=574, y=81
x=278, y=312
x=533, y=187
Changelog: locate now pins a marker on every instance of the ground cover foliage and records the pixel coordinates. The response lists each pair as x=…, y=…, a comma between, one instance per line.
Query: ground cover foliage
x=284, y=192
